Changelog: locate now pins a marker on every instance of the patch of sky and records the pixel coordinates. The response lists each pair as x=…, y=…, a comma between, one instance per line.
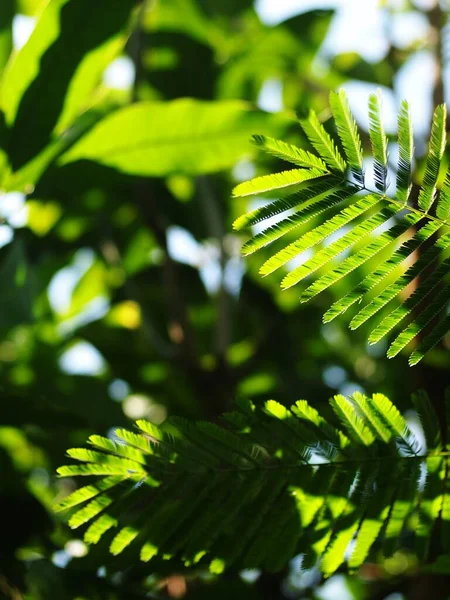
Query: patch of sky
x=335, y=587
x=82, y=359
x=183, y=248
x=233, y=275
x=13, y=209
x=23, y=26
x=358, y=93
x=120, y=74
x=419, y=67
x=118, y=390
x=299, y=260
x=334, y=376
x=407, y=27
x=350, y=387
x=270, y=97
x=64, y=281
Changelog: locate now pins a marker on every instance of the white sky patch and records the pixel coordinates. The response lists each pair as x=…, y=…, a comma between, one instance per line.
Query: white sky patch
x=358, y=93
x=14, y=209
x=60, y=558
x=367, y=38
x=335, y=587
x=406, y=27
x=182, y=246
x=23, y=26
x=64, y=281
x=120, y=74
x=82, y=359
x=272, y=13
x=233, y=275
x=334, y=376
x=211, y=275
x=270, y=97
x=350, y=387
x=300, y=259
x=420, y=67
x=244, y=170
x=118, y=390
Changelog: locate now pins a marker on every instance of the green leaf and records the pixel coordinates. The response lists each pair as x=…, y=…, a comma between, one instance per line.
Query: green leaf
x=303, y=199
x=348, y=132
x=322, y=142
x=361, y=257
x=435, y=152
x=396, y=423
x=287, y=481
x=443, y=204
x=289, y=153
x=371, y=416
x=379, y=143
x=320, y=233
x=7, y=10
x=17, y=293
x=62, y=66
x=429, y=421
x=419, y=322
x=381, y=234
x=183, y=136
x=266, y=183
x=405, y=153
x=356, y=428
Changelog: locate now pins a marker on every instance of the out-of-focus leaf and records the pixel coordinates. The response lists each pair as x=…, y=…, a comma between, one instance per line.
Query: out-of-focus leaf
x=29, y=7
x=73, y=42
x=351, y=65
x=310, y=27
x=16, y=292
x=225, y=8
x=26, y=176
x=183, y=136
x=178, y=15
x=46, y=581
x=6, y=17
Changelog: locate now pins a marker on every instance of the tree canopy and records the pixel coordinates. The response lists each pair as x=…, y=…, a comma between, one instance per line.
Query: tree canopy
x=147, y=149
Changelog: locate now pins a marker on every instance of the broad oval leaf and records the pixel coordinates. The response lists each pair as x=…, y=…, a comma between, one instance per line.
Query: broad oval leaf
x=183, y=136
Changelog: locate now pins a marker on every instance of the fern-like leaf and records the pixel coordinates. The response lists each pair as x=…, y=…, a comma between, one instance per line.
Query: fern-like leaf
x=267, y=484
x=435, y=151
x=348, y=132
x=396, y=245
x=379, y=142
x=322, y=142
x=289, y=152
x=405, y=153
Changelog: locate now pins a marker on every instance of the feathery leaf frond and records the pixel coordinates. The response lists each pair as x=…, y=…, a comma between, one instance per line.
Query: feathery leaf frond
x=322, y=142
x=378, y=141
x=267, y=484
x=405, y=153
x=396, y=246
x=348, y=132
x=290, y=153
x=435, y=151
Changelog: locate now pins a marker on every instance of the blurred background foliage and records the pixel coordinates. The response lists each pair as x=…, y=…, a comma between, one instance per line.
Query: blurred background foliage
x=123, y=294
